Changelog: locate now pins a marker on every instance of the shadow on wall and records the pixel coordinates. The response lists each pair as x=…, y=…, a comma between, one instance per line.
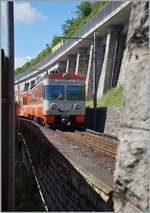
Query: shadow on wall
x=64, y=189
x=100, y=121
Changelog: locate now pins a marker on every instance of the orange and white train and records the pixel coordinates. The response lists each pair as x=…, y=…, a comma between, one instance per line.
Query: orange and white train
x=55, y=99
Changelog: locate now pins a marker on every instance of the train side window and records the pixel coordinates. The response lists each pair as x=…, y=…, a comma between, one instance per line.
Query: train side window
x=26, y=86
x=32, y=83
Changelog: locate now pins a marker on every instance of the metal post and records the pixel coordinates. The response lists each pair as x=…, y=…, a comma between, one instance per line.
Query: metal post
x=18, y=121
x=10, y=104
x=94, y=80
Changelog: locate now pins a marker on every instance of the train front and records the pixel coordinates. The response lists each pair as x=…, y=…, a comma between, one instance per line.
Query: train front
x=64, y=99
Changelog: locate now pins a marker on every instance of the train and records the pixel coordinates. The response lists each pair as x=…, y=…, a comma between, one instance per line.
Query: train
x=55, y=99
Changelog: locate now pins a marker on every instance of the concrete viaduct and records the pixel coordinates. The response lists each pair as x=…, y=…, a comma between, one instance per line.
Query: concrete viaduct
x=76, y=55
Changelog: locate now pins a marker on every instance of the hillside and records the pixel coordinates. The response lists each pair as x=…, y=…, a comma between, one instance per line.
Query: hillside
x=112, y=98
x=85, y=11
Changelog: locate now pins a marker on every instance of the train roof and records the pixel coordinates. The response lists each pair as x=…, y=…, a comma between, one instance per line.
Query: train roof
x=67, y=76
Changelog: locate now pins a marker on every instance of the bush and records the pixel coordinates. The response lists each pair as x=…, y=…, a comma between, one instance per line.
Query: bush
x=113, y=98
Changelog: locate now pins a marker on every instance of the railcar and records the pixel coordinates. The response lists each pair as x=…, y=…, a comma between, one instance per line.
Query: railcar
x=55, y=99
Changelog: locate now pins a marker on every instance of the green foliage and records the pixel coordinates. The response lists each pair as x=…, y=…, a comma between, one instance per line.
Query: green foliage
x=86, y=11
x=27, y=196
x=67, y=25
x=81, y=20
x=34, y=61
x=97, y=6
x=55, y=41
x=77, y=23
x=112, y=98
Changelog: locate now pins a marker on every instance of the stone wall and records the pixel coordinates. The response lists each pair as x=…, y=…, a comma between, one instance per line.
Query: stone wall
x=131, y=173
x=62, y=186
x=108, y=120
x=113, y=120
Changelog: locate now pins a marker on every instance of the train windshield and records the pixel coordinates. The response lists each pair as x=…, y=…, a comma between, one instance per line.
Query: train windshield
x=54, y=92
x=76, y=93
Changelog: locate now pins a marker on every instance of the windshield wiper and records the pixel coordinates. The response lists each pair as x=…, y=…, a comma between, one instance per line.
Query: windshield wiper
x=59, y=96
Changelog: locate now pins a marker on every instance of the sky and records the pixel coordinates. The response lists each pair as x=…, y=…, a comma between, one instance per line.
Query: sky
x=36, y=23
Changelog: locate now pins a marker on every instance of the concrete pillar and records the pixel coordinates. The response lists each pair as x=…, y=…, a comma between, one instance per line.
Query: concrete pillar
x=67, y=66
x=89, y=76
x=99, y=62
x=77, y=63
x=111, y=51
x=122, y=76
x=103, y=72
x=100, y=50
x=118, y=61
x=82, y=61
x=122, y=35
x=71, y=64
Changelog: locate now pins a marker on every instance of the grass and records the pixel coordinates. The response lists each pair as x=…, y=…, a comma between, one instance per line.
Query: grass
x=112, y=98
x=26, y=192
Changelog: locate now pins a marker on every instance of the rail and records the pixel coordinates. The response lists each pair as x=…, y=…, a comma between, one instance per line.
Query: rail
x=106, y=146
x=113, y=5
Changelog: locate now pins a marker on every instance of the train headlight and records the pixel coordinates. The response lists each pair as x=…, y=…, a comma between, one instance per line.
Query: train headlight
x=53, y=106
x=77, y=106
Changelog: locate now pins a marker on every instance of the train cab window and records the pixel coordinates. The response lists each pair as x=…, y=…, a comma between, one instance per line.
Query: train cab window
x=54, y=92
x=76, y=93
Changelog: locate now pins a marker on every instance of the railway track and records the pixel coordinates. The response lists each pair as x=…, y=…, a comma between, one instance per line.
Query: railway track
x=102, y=144
x=98, y=143
x=99, y=150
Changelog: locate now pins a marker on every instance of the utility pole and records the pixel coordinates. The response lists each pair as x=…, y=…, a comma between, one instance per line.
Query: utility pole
x=10, y=103
x=94, y=80
x=18, y=121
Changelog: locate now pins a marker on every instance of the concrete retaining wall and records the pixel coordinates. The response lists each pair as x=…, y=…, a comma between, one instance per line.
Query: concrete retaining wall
x=108, y=120
x=113, y=120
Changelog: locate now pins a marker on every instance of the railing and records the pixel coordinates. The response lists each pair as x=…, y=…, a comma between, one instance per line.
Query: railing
x=80, y=33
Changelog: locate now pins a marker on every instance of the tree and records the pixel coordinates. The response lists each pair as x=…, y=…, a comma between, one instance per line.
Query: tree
x=85, y=8
x=55, y=40
x=66, y=27
x=47, y=45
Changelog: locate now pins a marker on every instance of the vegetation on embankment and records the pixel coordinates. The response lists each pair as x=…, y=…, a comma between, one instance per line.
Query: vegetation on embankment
x=27, y=197
x=113, y=98
x=85, y=11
